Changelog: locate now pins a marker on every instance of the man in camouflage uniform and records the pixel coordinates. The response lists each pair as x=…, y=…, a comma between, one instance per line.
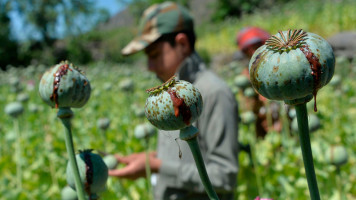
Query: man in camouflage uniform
x=166, y=34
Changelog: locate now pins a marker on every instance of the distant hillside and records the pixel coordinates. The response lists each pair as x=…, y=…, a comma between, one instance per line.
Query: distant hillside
x=200, y=9
x=123, y=18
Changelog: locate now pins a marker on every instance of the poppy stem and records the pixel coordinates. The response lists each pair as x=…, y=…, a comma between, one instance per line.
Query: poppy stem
x=253, y=158
x=65, y=115
x=147, y=166
x=18, y=151
x=189, y=134
x=302, y=118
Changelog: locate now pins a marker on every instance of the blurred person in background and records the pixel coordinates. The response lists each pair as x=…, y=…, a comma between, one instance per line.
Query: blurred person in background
x=344, y=44
x=248, y=40
x=166, y=35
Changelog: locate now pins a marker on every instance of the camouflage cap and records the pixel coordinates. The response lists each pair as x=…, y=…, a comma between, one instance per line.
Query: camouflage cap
x=159, y=19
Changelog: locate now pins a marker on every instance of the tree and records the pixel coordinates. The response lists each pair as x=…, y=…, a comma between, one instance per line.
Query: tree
x=48, y=17
x=8, y=47
x=42, y=23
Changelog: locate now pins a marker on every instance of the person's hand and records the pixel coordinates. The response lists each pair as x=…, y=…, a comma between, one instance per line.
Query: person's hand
x=135, y=165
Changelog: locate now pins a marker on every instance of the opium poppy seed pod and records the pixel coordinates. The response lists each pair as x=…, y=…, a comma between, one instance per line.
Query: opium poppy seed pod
x=248, y=117
x=103, y=123
x=144, y=130
x=241, y=81
x=292, y=66
x=313, y=123
x=93, y=172
x=110, y=161
x=68, y=193
x=23, y=97
x=127, y=85
x=64, y=86
x=174, y=105
x=337, y=155
x=14, y=109
x=249, y=92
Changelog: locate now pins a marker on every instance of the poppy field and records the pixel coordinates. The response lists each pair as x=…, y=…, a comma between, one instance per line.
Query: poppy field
x=33, y=158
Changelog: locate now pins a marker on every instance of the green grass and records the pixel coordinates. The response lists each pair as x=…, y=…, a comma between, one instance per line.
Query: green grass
x=324, y=18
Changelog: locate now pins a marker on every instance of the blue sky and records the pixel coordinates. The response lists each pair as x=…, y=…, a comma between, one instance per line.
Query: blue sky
x=19, y=31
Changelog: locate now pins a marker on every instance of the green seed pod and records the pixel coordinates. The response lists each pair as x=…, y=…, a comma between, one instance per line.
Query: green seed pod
x=242, y=82
x=68, y=193
x=14, y=109
x=138, y=110
x=144, y=130
x=33, y=108
x=22, y=97
x=235, y=90
x=107, y=86
x=248, y=117
x=64, y=86
x=110, y=161
x=313, y=123
x=103, y=123
x=336, y=155
x=127, y=85
x=14, y=81
x=92, y=170
x=249, y=92
x=173, y=105
x=292, y=113
x=336, y=81
x=292, y=66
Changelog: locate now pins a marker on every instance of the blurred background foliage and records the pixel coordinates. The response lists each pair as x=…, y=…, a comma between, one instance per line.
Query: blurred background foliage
x=84, y=38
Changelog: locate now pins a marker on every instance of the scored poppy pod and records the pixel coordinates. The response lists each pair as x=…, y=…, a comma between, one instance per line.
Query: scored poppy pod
x=64, y=86
x=292, y=66
x=93, y=172
x=174, y=105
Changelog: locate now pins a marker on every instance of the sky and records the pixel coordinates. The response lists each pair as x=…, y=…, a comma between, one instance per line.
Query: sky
x=19, y=31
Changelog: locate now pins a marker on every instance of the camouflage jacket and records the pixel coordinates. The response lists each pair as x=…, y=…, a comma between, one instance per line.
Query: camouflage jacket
x=178, y=178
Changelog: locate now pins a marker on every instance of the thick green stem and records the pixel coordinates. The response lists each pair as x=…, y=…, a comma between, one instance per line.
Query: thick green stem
x=18, y=155
x=339, y=183
x=254, y=159
x=302, y=117
x=194, y=147
x=103, y=136
x=65, y=114
x=147, y=167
